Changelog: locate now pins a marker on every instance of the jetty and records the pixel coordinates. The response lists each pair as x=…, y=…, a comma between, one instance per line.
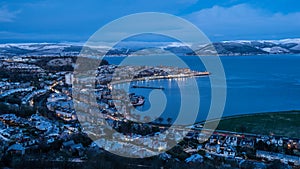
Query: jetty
x=147, y=87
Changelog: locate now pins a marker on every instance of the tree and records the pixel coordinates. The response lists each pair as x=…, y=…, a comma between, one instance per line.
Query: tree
x=26, y=111
x=82, y=138
x=169, y=120
x=160, y=120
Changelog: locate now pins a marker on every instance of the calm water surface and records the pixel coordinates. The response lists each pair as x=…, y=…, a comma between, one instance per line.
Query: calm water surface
x=254, y=84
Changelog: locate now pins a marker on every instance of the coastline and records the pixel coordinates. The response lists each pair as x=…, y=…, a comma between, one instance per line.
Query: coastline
x=219, y=55
x=196, y=74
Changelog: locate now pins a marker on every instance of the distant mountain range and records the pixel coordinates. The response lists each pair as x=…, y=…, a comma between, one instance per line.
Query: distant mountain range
x=241, y=47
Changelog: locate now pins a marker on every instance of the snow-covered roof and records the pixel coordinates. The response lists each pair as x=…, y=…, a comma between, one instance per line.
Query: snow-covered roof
x=194, y=158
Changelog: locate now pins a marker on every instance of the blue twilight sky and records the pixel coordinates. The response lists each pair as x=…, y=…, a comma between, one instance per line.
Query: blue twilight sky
x=77, y=20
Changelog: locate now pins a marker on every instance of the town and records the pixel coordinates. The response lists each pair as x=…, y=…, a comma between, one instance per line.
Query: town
x=43, y=114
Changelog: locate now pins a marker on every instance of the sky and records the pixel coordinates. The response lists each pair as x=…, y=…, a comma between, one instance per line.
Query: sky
x=77, y=20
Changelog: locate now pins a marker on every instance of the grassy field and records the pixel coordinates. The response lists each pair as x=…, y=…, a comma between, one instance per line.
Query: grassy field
x=277, y=123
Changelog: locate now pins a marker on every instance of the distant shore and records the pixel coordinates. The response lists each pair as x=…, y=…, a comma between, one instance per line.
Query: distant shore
x=196, y=74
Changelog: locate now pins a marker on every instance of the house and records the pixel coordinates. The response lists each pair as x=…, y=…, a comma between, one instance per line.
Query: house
x=190, y=150
x=213, y=139
x=67, y=144
x=189, y=135
x=231, y=140
x=164, y=156
x=280, y=142
x=274, y=141
x=16, y=149
x=50, y=140
x=160, y=146
x=72, y=148
x=29, y=143
x=43, y=125
x=229, y=151
x=213, y=148
x=194, y=158
x=77, y=149
x=247, y=143
x=141, y=153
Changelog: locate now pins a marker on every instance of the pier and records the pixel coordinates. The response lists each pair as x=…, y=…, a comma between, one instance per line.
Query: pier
x=147, y=87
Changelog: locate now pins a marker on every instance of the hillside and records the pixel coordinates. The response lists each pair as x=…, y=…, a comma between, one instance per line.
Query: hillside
x=257, y=47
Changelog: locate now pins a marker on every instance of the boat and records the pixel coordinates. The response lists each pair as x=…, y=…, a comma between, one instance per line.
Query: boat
x=136, y=100
x=140, y=102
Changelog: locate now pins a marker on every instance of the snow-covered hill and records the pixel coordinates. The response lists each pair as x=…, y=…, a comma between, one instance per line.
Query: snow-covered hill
x=259, y=46
x=38, y=49
x=240, y=47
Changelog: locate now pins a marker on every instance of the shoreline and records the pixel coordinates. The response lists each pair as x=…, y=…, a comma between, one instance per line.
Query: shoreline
x=241, y=116
x=197, y=74
x=219, y=55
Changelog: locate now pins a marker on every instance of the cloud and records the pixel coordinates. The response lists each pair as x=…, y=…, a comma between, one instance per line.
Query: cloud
x=243, y=21
x=6, y=15
x=9, y=36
